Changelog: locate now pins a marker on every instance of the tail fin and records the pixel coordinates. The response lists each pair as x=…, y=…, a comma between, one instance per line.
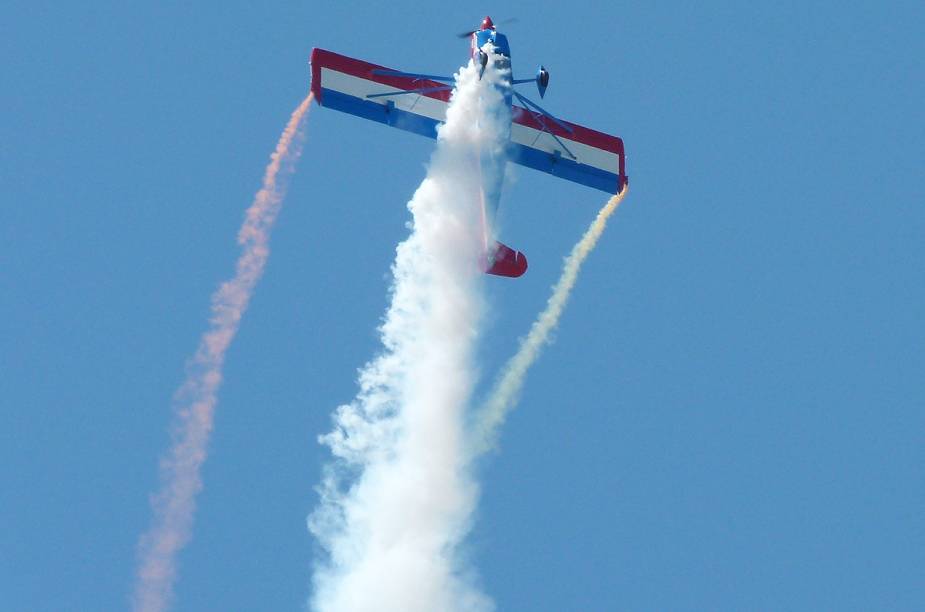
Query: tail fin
x=502, y=260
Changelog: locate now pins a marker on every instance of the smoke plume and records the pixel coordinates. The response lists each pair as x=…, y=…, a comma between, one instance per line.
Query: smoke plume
x=506, y=391
x=397, y=501
x=194, y=403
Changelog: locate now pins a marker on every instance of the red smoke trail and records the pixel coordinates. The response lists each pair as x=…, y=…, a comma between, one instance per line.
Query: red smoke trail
x=175, y=503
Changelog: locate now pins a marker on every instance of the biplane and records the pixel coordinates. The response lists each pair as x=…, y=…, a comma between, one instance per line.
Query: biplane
x=418, y=102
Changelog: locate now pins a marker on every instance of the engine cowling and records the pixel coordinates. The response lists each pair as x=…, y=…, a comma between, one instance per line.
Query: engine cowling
x=542, y=80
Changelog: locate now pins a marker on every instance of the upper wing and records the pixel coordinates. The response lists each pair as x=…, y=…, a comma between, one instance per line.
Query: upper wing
x=413, y=103
x=568, y=151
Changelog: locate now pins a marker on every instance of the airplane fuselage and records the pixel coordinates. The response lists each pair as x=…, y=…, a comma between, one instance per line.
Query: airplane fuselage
x=501, y=47
x=492, y=163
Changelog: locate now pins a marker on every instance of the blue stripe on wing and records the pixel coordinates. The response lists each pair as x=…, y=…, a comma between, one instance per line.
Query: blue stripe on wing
x=383, y=113
x=564, y=168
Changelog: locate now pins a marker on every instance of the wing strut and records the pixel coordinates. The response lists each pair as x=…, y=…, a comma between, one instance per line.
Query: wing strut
x=539, y=117
x=410, y=91
x=546, y=113
x=412, y=75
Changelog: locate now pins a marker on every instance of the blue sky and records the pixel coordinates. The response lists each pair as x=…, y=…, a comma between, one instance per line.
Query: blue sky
x=731, y=415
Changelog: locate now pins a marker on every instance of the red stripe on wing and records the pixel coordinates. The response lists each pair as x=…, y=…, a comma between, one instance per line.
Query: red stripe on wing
x=593, y=138
x=364, y=70
x=580, y=133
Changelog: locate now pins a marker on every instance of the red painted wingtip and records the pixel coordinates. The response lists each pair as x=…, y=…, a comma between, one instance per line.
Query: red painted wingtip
x=315, y=63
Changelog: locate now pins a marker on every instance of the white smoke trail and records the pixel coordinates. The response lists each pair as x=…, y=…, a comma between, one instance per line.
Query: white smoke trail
x=506, y=391
x=397, y=502
x=175, y=502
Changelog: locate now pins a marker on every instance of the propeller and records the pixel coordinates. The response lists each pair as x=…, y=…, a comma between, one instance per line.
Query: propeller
x=507, y=21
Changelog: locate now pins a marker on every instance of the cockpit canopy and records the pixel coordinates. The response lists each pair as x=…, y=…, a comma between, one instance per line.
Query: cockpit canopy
x=499, y=41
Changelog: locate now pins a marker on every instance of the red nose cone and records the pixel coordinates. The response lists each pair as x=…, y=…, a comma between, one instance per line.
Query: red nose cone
x=488, y=24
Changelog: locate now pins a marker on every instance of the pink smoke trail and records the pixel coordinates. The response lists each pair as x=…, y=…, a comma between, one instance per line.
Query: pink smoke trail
x=175, y=502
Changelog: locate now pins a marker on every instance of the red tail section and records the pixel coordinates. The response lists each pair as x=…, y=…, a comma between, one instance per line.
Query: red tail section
x=505, y=261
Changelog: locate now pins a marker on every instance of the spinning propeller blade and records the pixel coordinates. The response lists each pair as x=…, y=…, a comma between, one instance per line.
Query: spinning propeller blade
x=507, y=21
